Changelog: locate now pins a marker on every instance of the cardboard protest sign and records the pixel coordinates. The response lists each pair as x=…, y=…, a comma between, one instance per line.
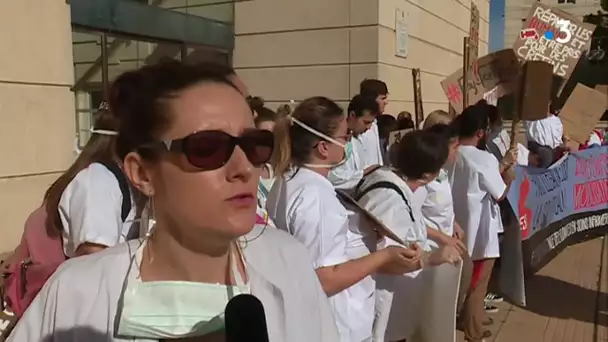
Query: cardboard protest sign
x=437, y=317
x=554, y=36
x=603, y=88
x=535, y=90
x=496, y=70
x=473, y=40
x=395, y=136
x=377, y=226
x=418, y=108
x=581, y=113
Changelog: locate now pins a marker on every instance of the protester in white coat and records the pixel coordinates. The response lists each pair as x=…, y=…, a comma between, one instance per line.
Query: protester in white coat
x=365, y=142
x=91, y=204
x=477, y=185
x=203, y=249
x=388, y=194
x=303, y=202
x=499, y=140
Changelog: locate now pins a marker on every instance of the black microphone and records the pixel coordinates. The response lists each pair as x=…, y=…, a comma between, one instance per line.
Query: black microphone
x=245, y=320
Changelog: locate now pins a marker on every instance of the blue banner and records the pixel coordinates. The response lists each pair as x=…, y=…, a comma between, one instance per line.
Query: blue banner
x=576, y=184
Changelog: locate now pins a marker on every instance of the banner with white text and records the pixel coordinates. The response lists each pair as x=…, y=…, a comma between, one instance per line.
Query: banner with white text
x=564, y=204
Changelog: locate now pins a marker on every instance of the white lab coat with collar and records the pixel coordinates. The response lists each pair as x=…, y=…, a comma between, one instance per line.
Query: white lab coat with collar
x=304, y=204
x=366, y=152
x=81, y=301
x=90, y=209
x=398, y=298
x=476, y=185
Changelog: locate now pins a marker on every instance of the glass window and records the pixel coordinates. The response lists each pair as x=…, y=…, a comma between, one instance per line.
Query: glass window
x=121, y=54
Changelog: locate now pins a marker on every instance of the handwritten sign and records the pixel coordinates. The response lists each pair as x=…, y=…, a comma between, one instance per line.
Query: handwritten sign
x=535, y=91
x=395, y=136
x=418, y=108
x=473, y=40
x=581, y=112
x=554, y=36
x=496, y=70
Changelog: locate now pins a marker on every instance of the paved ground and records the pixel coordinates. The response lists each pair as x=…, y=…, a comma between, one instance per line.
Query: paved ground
x=562, y=301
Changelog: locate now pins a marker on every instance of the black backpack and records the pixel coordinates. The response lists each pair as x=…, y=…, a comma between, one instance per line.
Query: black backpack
x=124, y=188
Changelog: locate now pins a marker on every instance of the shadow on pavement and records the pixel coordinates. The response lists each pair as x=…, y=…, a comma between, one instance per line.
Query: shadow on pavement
x=550, y=297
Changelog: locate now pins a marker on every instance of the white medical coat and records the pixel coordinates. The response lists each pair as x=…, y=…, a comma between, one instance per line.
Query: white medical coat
x=81, y=301
x=398, y=298
x=91, y=210
x=304, y=204
x=366, y=152
x=476, y=185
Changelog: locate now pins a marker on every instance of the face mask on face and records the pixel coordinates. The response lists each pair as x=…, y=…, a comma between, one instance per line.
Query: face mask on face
x=348, y=147
x=175, y=309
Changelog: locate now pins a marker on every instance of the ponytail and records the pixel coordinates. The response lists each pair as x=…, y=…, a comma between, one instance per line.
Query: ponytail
x=293, y=143
x=281, y=156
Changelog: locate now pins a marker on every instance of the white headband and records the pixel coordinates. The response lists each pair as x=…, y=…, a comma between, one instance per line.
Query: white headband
x=103, y=131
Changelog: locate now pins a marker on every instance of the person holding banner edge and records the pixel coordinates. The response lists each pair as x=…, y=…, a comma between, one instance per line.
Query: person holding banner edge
x=478, y=182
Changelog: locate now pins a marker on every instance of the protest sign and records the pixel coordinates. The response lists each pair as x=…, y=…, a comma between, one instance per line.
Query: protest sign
x=581, y=113
x=375, y=224
x=534, y=91
x=437, y=319
x=603, y=88
x=395, y=136
x=565, y=203
x=497, y=70
x=553, y=36
x=418, y=108
x=491, y=97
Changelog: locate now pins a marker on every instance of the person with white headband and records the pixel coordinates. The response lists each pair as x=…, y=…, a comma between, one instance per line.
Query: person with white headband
x=91, y=204
x=309, y=143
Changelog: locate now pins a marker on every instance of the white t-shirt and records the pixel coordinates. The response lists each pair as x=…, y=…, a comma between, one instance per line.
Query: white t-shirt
x=398, y=298
x=500, y=144
x=476, y=185
x=91, y=208
x=304, y=204
x=546, y=132
x=366, y=152
x=81, y=301
x=438, y=207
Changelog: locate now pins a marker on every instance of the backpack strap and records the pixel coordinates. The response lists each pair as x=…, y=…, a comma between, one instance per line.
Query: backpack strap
x=381, y=185
x=384, y=185
x=124, y=188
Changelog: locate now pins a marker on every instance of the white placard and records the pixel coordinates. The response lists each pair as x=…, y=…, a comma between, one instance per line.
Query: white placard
x=401, y=35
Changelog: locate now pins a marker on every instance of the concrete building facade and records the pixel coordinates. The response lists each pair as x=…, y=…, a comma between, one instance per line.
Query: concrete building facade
x=283, y=49
x=290, y=49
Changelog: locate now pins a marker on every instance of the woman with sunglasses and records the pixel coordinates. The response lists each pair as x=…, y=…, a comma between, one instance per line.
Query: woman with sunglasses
x=303, y=202
x=189, y=143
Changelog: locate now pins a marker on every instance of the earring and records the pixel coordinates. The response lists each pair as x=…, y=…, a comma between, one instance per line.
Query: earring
x=148, y=222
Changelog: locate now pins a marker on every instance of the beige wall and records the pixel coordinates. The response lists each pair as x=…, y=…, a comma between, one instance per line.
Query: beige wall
x=293, y=49
x=36, y=106
x=518, y=10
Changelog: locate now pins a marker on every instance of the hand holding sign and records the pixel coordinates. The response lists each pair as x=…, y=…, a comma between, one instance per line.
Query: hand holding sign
x=399, y=260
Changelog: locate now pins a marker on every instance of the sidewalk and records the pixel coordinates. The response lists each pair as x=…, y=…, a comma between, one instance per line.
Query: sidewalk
x=562, y=301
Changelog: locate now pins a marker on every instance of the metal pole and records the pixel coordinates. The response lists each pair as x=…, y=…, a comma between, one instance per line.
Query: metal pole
x=104, y=66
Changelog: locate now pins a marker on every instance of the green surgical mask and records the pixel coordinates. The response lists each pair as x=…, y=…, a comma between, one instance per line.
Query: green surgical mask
x=175, y=309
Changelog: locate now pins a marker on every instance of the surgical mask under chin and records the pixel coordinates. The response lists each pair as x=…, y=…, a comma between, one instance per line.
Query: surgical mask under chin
x=348, y=147
x=175, y=309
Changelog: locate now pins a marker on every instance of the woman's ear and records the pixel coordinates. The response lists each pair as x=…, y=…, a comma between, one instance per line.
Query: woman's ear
x=323, y=148
x=138, y=174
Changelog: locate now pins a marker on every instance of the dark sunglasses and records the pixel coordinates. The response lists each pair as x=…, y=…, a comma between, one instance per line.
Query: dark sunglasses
x=210, y=150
